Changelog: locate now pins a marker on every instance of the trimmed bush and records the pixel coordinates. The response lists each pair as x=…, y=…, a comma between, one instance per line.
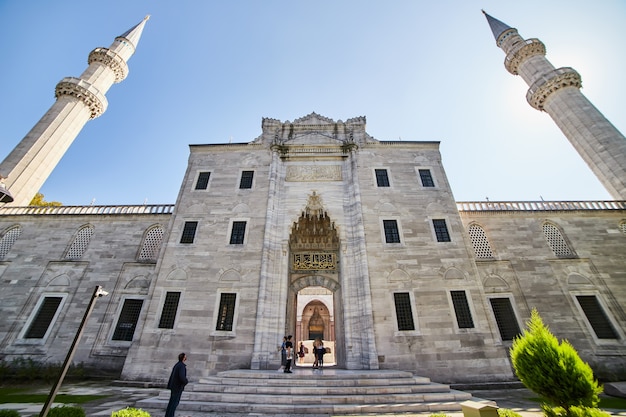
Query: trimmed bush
x=506, y=412
x=130, y=412
x=66, y=411
x=9, y=413
x=574, y=411
x=553, y=370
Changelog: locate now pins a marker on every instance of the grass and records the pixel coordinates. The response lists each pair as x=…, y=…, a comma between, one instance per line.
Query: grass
x=26, y=395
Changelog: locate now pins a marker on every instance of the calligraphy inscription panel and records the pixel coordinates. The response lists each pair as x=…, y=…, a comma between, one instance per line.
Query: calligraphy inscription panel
x=313, y=173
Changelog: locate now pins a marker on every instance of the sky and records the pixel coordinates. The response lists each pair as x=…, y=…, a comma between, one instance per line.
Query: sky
x=210, y=71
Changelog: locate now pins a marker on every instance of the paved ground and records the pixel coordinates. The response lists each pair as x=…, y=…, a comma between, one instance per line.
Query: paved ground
x=519, y=400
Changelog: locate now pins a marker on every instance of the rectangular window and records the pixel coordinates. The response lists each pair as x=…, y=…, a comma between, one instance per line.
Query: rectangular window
x=392, y=235
x=404, y=312
x=462, y=310
x=505, y=318
x=246, y=179
x=427, y=178
x=170, y=307
x=238, y=233
x=226, y=312
x=203, y=181
x=382, y=180
x=47, y=310
x=189, y=232
x=127, y=321
x=441, y=230
x=597, y=317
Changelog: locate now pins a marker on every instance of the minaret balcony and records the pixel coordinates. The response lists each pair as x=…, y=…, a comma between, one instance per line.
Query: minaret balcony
x=82, y=90
x=521, y=51
x=551, y=82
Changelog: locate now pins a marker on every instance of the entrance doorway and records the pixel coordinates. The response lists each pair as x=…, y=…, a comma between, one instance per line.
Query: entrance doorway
x=315, y=320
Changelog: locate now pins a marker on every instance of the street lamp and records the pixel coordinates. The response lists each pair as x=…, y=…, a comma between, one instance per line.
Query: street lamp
x=98, y=292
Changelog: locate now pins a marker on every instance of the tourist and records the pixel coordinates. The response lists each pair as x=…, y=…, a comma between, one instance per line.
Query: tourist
x=283, y=354
x=289, y=354
x=176, y=384
x=301, y=352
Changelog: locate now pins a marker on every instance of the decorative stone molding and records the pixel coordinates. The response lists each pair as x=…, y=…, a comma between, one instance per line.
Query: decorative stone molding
x=298, y=173
x=82, y=90
x=555, y=80
x=521, y=52
x=112, y=60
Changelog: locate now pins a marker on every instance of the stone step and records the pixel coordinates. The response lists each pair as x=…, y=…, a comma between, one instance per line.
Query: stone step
x=314, y=392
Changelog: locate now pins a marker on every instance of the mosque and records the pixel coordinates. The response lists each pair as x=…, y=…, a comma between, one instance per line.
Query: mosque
x=316, y=229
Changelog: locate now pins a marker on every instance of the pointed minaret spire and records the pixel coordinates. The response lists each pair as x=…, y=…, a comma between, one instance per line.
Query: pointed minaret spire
x=557, y=92
x=79, y=100
x=497, y=27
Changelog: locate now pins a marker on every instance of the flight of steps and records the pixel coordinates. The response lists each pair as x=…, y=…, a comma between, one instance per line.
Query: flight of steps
x=308, y=391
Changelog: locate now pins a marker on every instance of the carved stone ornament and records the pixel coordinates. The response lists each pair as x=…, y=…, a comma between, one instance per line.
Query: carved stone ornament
x=299, y=173
x=85, y=92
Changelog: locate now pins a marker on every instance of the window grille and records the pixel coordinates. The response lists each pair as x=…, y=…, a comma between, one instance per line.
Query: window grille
x=80, y=243
x=226, y=312
x=597, y=317
x=482, y=249
x=170, y=307
x=127, y=321
x=427, y=178
x=246, y=179
x=382, y=179
x=151, y=244
x=8, y=239
x=189, y=232
x=556, y=241
x=203, y=181
x=404, y=312
x=505, y=318
x=441, y=230
x=40, y=324
x=238, y=233
x=392, y=235
x=622, y=226
x=462, y=310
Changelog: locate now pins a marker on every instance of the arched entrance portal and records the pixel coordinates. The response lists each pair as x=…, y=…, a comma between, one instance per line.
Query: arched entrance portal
x=313, y=309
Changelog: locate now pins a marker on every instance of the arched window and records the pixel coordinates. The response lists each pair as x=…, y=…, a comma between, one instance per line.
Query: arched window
x=80, y=243
x=556, y=241
x=151, y=244
x=482, y=249
x=622, y=226
x=8, y=239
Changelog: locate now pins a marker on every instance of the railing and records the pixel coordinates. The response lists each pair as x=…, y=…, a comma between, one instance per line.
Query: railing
x=74, y=210
x=539, y=205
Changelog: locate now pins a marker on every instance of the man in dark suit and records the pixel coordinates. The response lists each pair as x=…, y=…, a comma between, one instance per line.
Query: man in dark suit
x=176, y=384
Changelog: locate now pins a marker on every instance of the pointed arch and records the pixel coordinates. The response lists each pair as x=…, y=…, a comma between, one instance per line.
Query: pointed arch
x=80, y=243
x=151, y=244
x=9, y=237
x=482, y=248
x=556, y=240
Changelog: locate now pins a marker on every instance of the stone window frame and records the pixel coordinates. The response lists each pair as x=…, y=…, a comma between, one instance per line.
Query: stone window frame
x=151, y=244
x=434, y=231
x=34, y=314
x=231, y=223
x=557, y=241
x=432, y=178
x=10, y=235
x=80, y=243
x=607, y=313
x=383, y=232
x=382, y=181
x=480, y=243
x=197, y=181
x=118, y=316
x=516, y=314
x=397, y=332
x=216, y=313
x=180, y=293
x=472, y=311
x=185, y=233
x=241, y=185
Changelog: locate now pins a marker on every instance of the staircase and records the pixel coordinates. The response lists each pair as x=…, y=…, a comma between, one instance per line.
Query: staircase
x=308, y=391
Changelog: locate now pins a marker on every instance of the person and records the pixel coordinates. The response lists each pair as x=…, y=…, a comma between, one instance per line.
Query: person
x=316, y=346
x=289, y=354
x=301, y=353
x=283, y=355
x=176, y=384
x=321, y=350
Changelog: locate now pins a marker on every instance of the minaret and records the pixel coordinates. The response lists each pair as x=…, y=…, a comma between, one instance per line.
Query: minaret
x=78, y=100
x=557, y=92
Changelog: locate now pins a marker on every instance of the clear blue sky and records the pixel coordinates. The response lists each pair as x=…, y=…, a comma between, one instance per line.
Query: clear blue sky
x=209, y=71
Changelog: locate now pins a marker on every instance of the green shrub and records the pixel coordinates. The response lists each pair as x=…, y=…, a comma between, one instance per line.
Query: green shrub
x=574, y=411
x=130, y=412
x=506, y=412
x=553, y=370
x=439, y=415
x=9, y=413
x=66, y=411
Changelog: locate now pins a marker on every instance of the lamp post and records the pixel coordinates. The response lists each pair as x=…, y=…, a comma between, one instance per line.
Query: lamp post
x=98, y=292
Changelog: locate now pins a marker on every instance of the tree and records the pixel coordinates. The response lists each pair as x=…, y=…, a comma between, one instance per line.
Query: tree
x=553, y=370
x=38, y=200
